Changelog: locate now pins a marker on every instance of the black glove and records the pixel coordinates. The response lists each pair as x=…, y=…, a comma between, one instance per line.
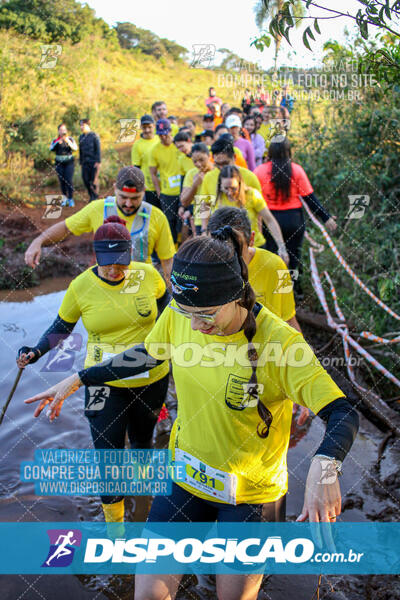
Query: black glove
x=26, y=350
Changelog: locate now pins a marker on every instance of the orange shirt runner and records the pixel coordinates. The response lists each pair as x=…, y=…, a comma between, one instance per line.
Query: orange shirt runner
x=299, y=186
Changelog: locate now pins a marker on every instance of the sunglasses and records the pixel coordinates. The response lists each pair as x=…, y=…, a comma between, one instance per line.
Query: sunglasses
x=203, y=317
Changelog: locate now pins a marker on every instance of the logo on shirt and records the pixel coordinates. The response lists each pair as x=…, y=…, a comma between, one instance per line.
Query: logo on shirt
x=285, y=280
x=143, y=306
x=240, y=394
x=97, y=397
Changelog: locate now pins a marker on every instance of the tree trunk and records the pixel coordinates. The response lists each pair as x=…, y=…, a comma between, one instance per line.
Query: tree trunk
x=277, y=46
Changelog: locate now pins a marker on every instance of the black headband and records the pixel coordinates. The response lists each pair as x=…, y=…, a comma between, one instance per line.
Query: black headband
x=206, y=284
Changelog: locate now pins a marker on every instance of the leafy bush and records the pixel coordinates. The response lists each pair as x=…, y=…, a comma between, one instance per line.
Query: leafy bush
x=147, y=42
x=52, y=21
x=15, y=179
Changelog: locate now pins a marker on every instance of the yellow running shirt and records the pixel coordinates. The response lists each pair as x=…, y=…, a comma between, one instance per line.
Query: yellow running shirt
x=185, y=163
x=210, y=184
x=165, y=159
x=189, y=176
x=270, y=279
x=140, y=157
x=266, y=131
x=254, y=204
x=91, y=217
x=116, y=317
x=217, y=421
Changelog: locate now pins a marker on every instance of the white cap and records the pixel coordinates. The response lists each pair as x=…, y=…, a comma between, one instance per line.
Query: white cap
x=233, y=121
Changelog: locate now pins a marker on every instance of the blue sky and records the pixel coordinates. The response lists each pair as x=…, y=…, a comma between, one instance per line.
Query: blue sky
x=224, y=23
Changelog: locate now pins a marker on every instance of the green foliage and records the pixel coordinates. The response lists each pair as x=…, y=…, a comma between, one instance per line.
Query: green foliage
x=283, y=16
x=52, y=21
x=269, y=11
x=233, y=62
x=350, y=148
x=91, y=79
x=16, y=175
x=147, y=42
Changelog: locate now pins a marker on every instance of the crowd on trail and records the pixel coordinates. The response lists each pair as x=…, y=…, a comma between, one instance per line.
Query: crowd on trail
x=198, y=265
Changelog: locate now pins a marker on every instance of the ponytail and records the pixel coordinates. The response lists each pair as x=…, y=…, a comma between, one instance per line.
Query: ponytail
x=247, y=301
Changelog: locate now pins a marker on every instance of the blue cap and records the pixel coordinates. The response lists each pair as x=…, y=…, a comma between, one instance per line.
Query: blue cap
x=113, y=252
x=163, y=127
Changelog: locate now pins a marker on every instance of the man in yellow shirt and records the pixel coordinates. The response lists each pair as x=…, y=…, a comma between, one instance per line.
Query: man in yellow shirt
x=159, y=110
x=183, y=142
x=164, y=161
x=224, y=154
x=140, y=156
x=148, y=226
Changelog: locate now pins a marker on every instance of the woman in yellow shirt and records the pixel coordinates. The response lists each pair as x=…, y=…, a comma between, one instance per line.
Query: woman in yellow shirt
x=117, y=302
x=237, y=368
x=232, y=191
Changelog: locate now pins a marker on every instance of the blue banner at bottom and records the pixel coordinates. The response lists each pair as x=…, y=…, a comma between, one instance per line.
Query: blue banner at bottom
x=126, y=548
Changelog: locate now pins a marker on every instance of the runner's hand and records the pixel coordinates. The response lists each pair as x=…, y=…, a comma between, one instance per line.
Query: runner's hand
x=55, y=396
x=322, y=498
x=331, y=224
x=32, y=255
x=284, y=255
x=27, y=355
x=302, y=416
x=198, y=178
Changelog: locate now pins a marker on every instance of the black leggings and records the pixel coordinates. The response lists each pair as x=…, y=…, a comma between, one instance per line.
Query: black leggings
x=112, y=412
x=183, y=506
x=293, y=227
x=170, y=206
x=152, y=198
x=65, y=172
x=88, y=176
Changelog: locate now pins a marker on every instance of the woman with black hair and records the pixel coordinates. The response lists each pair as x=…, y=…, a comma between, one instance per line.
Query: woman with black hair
x=192, y=183
x=233, y=418
x=249, y=123
x=63, y=146
x=233, y=191
x=283, y=183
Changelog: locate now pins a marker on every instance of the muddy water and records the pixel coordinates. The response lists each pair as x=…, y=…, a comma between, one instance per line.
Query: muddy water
x=22, y=323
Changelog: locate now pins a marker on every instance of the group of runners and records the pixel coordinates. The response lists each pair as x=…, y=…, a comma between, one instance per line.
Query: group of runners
x=222, y=315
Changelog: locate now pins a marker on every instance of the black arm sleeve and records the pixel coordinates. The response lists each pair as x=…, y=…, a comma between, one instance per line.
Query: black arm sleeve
x=163, y=302
x=97, y=149
x=316, y=207
x=58, y=330
x=132, y=362
x=341, y=428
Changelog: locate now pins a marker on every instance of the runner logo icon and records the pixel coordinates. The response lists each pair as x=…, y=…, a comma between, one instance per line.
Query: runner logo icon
x=63, y=543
